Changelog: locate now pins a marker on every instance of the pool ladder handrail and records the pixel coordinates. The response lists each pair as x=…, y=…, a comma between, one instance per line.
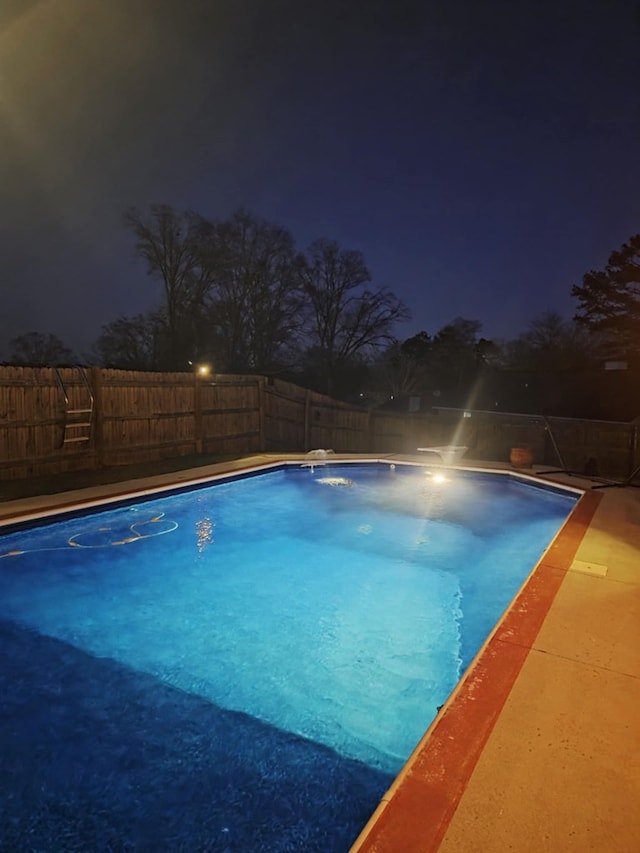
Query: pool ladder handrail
x=76, y=417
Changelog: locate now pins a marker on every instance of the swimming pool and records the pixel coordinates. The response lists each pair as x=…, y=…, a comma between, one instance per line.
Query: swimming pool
x=314, y=619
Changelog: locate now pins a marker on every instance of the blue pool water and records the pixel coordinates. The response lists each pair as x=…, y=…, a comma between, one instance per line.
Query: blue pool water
x=246, y=666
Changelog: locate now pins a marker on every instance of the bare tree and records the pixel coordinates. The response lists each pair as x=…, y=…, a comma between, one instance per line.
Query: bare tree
x=35, y=348
x=398, y=374
x=134, y=343
x=256, y=308
x=405, y=367
x=552, y=343
x=177, y=250
x=348, y=320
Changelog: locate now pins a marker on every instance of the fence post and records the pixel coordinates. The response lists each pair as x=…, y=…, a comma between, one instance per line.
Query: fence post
x=370, y=442
x=633, y=448
x=98, y=410
x=307, y=420
x=262, y=414
x=197, y=414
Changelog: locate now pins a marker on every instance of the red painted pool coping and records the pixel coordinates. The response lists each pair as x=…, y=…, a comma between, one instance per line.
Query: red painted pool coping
x=414, y=815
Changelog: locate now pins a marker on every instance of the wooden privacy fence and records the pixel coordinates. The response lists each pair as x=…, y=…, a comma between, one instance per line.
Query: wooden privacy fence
x=606, y=448
x=56, y=420
x=135, y=416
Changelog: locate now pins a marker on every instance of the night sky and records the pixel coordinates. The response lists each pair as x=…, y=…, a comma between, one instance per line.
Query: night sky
x=482, y=155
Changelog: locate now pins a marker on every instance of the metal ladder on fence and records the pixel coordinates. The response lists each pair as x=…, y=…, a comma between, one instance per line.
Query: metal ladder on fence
x=78, y=415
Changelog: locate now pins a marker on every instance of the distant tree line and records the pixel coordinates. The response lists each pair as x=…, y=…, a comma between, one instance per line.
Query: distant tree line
x=238, y=295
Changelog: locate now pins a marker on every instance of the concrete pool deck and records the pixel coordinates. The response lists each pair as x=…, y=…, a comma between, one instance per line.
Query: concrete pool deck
x=538, y=749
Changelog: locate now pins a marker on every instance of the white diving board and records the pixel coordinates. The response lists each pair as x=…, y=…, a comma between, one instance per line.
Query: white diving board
x=449, y=454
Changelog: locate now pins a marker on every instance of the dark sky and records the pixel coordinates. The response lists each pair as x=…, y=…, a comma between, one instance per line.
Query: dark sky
x=482, y=155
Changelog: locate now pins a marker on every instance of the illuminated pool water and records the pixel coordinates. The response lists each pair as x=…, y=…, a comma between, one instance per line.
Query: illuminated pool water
x=247, y=666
